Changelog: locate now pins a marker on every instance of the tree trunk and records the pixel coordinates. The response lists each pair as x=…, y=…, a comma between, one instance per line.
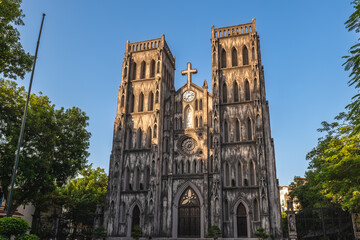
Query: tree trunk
x=36, y=221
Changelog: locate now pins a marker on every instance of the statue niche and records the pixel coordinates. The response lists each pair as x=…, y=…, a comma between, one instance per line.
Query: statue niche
x=188, y=117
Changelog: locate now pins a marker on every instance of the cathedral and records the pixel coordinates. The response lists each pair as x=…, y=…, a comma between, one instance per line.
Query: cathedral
x=187, y=159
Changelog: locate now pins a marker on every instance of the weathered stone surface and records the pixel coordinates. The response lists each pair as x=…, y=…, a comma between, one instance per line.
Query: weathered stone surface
x=218, y=145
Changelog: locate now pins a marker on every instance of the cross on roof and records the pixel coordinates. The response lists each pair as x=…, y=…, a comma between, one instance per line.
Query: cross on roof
x=188, y=72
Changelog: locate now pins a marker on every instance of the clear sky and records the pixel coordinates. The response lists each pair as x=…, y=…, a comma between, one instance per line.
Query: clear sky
x=302, y=44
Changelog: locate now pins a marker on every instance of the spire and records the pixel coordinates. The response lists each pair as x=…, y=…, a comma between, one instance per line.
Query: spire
x=205, y=85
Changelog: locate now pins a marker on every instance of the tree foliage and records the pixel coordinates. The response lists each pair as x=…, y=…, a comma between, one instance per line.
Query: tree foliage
x=214, y=232
x=333, y=176
x=260, y=233
x=137, y=232
x=352, y=62
x=28, y=237
x=54, y=147
x=13, y=226
x=334, y=167
x=14, y=61
x=82, y=195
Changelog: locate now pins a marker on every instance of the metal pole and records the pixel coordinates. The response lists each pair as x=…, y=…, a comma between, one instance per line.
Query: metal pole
x=23, y=126
x=322, y=220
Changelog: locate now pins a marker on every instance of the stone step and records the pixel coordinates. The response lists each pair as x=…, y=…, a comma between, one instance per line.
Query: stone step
x=161, y=238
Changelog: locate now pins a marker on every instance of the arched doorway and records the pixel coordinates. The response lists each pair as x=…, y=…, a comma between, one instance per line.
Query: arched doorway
x=241, y=221
x=135, y=217
x=189, y=214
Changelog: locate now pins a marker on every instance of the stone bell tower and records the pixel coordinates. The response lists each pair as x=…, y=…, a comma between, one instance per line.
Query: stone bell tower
x=133, y=195
x=243, y=147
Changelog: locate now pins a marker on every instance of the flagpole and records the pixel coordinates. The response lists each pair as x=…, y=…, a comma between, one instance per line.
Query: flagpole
x=9, y=201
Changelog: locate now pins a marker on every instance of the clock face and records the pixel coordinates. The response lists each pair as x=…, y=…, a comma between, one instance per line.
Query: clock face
x=188, y=96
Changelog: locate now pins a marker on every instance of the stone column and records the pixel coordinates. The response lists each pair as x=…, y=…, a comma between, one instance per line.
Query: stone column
x=291, y=220
x=356, y=224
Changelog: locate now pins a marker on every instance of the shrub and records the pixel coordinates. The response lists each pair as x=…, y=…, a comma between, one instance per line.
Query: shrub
x=99, y=232
x=137, y=232
x=260, y=233
x=3, y=238
x=28, y=237
x=13, y=226
x=214, y=232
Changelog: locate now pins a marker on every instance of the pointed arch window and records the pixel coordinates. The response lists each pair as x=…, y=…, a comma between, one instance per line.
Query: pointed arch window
x=236, y=91
x=247, y=90
x=226, y=210
x=188, y=166
x=155, y=131
x=141, y=102
x=214, y=59
x=147, y=177
x=139, y=139
x=133, y=72
x=200, y=122
x=157, y=97
x=158, y=67
x=237, y=130
x=227, y=175
x=122, y=212
x=196, y=122
x=249, y=129
x=224, y=93
x=152, y=68
x=137, y=179
x=132, y=103
x=181, y=167
x=126, y=179
x=239, y=174
x=223, y=58
x=245, y=55
x=252, y=174
x=196, y=105
x=253, y=53
x=129, y=139
x=135, y=217
x=234, y=57
x=122, y=101
x=256, y=210
x=200, y=104
x=165, y=166
x=151, y=101
x=149, y=137
x=125, y=72
x=226, y=132
x=143, y=70
x=193, y=170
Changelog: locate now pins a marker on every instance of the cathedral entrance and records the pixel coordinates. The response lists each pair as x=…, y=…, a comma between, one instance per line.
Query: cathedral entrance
x=241, y=221
x=189, y=214
x=135, y=218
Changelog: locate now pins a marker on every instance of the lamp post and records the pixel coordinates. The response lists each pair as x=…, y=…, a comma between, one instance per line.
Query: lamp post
x=9, y=200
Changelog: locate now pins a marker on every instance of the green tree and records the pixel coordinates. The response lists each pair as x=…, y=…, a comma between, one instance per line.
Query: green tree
x=137, y=232
x=214, y=232
x=13, y=226
x=14, y=61
x=333, y=177
x=261, y=234
x=54, y=147
x=82, y=196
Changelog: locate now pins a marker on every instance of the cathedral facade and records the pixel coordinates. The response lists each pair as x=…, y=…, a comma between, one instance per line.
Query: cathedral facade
x=184, y=160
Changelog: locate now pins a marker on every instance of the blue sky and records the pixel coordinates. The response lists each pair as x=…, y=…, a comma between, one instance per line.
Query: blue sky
x=302, y=44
